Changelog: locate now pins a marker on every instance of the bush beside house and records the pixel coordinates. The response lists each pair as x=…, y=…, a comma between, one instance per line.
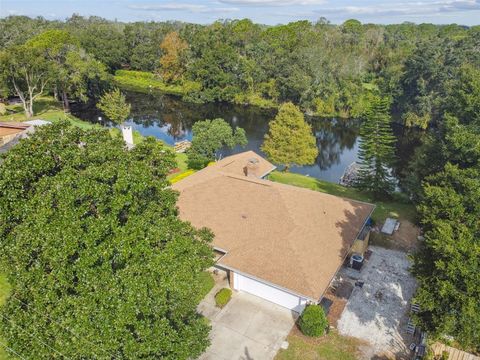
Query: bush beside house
x=313, y=321
x=223, y=297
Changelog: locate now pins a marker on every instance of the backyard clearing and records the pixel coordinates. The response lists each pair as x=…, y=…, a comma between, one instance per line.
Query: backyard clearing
x=378, y=311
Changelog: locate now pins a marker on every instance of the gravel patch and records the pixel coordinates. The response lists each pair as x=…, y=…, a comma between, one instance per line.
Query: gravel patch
x=378, y=311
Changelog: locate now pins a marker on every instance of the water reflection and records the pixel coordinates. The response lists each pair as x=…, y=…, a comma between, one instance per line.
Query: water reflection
x=170, y=120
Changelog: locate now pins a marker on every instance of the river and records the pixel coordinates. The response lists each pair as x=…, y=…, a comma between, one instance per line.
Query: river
x=170, y=119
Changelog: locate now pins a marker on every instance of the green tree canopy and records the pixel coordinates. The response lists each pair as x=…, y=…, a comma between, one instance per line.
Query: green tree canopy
x=72, y=70
x=452, y=142
x=25, y=69
x=464, y=100
x=290, y=140
x=99, y=263
x=376, y=151
x=209, y=136
x=447, y=266
x=173, y=58
x=115, y=106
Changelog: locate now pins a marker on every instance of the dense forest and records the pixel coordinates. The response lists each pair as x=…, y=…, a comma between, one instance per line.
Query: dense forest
x=327, y=69
x=430, y=74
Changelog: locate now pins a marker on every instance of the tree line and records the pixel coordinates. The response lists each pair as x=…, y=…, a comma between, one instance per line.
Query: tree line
x=326, y=69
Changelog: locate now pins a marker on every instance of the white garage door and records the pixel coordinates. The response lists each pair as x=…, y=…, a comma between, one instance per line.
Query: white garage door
x=267, y=292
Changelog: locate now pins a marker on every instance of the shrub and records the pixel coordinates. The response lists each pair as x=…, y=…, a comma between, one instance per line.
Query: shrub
x=196, y=161
x=181, y=176
x=223, y=297
x=313, y=321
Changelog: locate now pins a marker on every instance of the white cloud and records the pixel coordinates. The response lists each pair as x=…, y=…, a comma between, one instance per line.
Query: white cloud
x=410, y=8
x=272, y=2
x=194, y=8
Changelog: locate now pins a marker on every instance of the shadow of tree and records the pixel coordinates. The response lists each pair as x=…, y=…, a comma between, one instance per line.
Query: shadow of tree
x=247, y=355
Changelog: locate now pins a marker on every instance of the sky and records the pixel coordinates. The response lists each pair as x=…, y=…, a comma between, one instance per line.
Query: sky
x=465, y=12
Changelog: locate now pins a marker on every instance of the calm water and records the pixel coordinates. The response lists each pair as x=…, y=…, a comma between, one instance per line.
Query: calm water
x=170, y=119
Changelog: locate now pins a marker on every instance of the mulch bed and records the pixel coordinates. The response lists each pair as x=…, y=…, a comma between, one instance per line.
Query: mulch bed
x=174, y=171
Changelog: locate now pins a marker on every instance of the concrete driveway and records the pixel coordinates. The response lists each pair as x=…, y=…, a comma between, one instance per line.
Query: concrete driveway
x=247, y=328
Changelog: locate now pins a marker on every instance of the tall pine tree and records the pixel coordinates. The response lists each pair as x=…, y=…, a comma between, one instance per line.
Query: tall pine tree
x=376, y=152
x=290, y=140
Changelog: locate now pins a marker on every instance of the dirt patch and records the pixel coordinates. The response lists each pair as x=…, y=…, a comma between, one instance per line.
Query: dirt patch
x=336, y=309
x=377, y=311
x=404, y=239
x=174, y=171
x=337, y=295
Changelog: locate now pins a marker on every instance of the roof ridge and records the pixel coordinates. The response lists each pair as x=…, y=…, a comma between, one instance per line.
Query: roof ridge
x=247, y=179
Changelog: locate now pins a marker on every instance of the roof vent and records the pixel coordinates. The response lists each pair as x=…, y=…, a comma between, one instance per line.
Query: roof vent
x=252, y=167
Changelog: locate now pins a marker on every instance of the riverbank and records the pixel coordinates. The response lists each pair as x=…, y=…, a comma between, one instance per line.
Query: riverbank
x=45, y=108
x=49, y=109
x=146, y=82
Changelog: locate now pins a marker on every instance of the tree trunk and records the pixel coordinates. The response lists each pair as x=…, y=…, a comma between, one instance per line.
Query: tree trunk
x=66, y=105
x=29, y=108
x=55, y=93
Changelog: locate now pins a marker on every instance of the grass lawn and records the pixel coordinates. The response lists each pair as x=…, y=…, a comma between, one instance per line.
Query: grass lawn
x=142, y=81
x=330, y=347
x=207, y=282
x=49, y=109
x=4, y=290
x=182, y=166
x=45, y=108
x=397, y=207
x=182, y=162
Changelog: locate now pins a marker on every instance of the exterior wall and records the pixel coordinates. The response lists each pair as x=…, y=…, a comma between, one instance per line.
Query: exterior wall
x=268, y=292
x=360, y=246
x=231, y=278
x=7, y=138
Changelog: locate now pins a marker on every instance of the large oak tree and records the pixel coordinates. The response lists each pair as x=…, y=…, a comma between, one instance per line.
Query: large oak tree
x=99, y=263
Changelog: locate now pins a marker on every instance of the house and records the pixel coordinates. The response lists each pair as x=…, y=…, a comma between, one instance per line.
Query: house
x=279, y=242
x=12, y=132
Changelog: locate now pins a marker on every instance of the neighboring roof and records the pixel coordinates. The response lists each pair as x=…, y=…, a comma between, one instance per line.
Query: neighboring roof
x=10, y=128
x=453, y=354
x=37, y=122
x=288, y=236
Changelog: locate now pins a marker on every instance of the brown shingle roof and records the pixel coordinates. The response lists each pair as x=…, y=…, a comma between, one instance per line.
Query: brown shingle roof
x=10, y=128
x=292, y=237
x=246, y=163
